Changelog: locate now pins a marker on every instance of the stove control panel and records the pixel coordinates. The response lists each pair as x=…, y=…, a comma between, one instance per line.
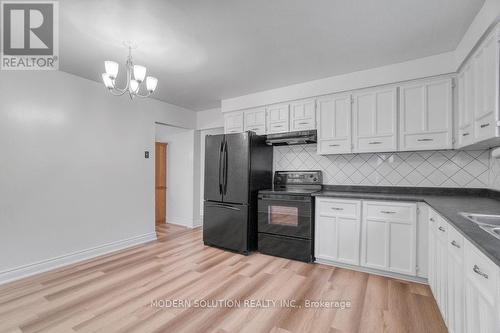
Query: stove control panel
x=314, y=177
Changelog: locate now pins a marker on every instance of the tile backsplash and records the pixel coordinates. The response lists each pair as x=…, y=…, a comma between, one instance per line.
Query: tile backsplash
x=448, y=168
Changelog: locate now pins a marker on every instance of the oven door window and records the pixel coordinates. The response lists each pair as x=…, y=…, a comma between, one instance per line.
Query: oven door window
x=283, y=215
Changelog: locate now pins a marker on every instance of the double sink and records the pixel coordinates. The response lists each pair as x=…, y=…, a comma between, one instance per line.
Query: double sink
x=489, y=223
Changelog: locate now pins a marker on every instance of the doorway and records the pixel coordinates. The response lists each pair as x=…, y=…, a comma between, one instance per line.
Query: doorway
x=160, y=183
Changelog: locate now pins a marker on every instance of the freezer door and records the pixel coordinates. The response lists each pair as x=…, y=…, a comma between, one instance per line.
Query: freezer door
x=225, y=226
x=213, y=167
x=236, y=164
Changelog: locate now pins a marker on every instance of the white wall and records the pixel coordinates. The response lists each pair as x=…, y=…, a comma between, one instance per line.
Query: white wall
x=73, y=176
x=211, y=118
x=180, y=175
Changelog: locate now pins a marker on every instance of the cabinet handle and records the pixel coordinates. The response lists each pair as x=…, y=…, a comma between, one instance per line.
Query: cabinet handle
x=335, y=145
x=304, y=123
x=441, y=229
x=426, y=139
x=387, y=212
x=465, y=134
x=278, y=125
x=455, y=244
x=374, y=143
x=477, y=270
x=432, y=219
x=336, y=208
x=485, y=125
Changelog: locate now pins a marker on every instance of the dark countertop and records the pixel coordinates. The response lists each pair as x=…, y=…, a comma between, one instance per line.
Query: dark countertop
x=447, y=202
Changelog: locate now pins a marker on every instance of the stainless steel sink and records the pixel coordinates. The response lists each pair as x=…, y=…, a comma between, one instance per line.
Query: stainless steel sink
x=489, y=223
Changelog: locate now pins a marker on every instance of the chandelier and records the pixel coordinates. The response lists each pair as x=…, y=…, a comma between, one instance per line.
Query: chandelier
x=136, y=75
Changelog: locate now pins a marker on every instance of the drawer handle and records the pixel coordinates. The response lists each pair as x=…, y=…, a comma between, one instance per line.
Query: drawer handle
x=455, y=244
x=432, y=219
x=478, y=271
x=335, y=145
x=304, y=123
x=465, y=134
x=277, y=125
x=441, y=229
x=424, y=140
x=336, y=208
x=485, y=125
x=387, y=212
x=375, y=142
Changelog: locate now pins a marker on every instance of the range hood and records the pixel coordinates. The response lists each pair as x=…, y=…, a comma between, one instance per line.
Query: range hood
x=292, y=138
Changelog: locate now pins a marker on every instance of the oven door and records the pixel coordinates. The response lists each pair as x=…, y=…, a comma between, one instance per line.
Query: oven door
x=288, y=215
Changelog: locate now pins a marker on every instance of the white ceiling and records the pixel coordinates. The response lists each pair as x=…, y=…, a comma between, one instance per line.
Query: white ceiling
x=203, y=51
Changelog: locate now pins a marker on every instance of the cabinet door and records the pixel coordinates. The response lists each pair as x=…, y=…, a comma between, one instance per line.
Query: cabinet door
x=334, y=124
x=456, y=299
x=278, y=118
x=233, y=122
x=255, y=120
x=441, y=265
x=465, y=84
x=375, y=120
x=486, y=87
x=481, y=292
x=303, y=115
x=389, y=236
x=432, y=251
x=426, y=115
x=338, y=230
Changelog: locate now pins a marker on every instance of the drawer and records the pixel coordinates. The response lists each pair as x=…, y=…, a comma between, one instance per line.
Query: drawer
x=465, y=136
x=484, y=128
x=379, y=144
x=233, y=130
x=259, y=129
x=427, y=141
x=481, y=271
x=303, y=124
x=333, y=207
x=278, y=127
x=334, y=146
x=455, y=242
x=391, y=210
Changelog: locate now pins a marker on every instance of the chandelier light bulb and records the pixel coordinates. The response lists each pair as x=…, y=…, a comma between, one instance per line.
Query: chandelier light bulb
x=151, y=83
x=108, y=82
x=139, y=73
x=134, y=86
x=111, y=69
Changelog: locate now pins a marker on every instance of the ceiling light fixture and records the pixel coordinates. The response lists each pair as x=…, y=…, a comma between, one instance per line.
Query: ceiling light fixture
x=135, y=76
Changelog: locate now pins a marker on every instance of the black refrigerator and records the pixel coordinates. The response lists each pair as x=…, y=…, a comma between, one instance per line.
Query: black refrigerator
x=237, y=166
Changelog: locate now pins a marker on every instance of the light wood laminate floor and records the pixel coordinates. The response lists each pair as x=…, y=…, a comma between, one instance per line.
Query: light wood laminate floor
x=115, y=293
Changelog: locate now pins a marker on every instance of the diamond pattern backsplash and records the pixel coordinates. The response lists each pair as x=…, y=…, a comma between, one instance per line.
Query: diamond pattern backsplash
x=447, y=168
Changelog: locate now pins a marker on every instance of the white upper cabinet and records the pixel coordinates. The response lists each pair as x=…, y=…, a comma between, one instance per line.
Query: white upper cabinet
x=278, y=117
x=426, y=115
x=334, y=124
x=484, y=62
x=465, y=83
x=303, y=115
x=375, y=114
x=233, y=122
x=255, y=120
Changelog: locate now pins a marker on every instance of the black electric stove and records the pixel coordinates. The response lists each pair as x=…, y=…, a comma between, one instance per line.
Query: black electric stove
x=286, y=215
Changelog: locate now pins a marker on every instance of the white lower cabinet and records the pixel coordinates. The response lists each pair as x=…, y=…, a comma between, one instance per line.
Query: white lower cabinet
x=373, y=235
x=388, y=239
x=464, y=282
x=338, y=230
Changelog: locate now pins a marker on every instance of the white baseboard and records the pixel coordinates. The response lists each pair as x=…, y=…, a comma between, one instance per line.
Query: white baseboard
x=373, y=271
x=181, y=221
x=71, y=258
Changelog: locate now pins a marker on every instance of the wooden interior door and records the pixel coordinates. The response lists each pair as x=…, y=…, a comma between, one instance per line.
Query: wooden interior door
x=160, y=182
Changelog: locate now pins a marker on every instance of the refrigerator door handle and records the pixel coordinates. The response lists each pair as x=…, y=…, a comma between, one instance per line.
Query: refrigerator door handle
x=220, y=166
x=222, y=206
x=225, y=167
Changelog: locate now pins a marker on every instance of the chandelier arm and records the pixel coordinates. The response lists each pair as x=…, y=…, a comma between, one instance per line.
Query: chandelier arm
x=117, y=92
x=143, y=96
